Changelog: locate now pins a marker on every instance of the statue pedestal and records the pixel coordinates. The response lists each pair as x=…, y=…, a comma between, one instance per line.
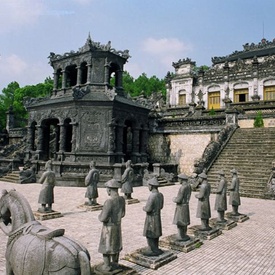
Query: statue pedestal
x=41, y=216
x=240, y=218
x=196, y=232
x=229, y=224
x=171, y=242
x=153, y=262
x=131, y=201
x=91, y=207
x=118, y=269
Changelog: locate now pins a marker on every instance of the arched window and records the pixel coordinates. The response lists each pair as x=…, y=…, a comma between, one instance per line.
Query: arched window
x=71, y=76
x=84, y=73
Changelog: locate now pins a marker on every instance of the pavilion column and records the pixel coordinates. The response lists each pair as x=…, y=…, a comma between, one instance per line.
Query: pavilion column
x=143, y=144
x=55, y=80
x=40, y=134
x=112, y=139
x=106, y=73
x=119, y=79
x=79, y=76
x=64, y=79
x=30, y=138
x=135, y=145
x=119, y=141
x=73, y=141
x=89, y=73
x=62, y=138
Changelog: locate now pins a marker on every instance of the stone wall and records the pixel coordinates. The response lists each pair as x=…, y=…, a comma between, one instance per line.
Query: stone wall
x=186, y=148
x=249, y=123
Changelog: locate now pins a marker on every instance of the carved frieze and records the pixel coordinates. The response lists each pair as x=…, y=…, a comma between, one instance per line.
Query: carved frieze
x=94, y=131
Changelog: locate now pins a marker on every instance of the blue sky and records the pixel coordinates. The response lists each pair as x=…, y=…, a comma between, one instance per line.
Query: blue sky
x=156, y=32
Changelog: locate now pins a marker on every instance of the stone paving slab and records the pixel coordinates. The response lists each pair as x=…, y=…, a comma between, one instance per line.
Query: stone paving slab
x=249, y=248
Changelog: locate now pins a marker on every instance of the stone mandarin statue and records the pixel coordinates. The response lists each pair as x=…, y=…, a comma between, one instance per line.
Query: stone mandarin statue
x=46, y=196
x=111, y=240
x=221, y=200
x=127, y=181
x=91, y=182
x=203, y=210
x=234, y=197
x=182, y=213
x=152, y=227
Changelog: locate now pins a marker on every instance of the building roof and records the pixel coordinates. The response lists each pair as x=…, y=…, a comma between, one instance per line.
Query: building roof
x=249, y=51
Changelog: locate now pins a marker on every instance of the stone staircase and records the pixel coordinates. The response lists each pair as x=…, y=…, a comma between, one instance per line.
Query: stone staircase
x=251, y=151
x=11, y=177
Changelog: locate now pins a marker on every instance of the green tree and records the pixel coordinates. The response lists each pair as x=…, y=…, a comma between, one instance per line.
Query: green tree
x=258, y=121
x=14, y=96
x=7, y=100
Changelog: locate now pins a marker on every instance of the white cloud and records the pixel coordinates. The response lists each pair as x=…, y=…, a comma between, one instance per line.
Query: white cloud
x=164, y=46
x=14, y=68
x=17, y=13
x=162, y=52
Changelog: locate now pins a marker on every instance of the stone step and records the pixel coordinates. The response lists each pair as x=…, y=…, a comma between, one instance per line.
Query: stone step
x=251, y=152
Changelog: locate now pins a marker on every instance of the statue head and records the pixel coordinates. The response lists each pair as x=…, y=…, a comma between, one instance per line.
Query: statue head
x=48, y=164
x=183, y=178
x=153, y=182
x=128, y=163
x=113, y=184
x=92, y=164
x=234, y=171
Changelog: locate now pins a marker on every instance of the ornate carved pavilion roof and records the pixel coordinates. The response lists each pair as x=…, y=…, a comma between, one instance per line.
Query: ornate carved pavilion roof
x=252, y=50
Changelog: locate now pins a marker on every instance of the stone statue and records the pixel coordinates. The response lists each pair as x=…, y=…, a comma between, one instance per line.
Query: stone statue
x=35, y=249
x=203, y=210
x=28, y=175
x=5, y=170
x=111, y=240
x=127, y=181
x=91, y=182
x=221, y=200
x=152, y=227
x=182, y=213
x=46, y=195
x=234, y=197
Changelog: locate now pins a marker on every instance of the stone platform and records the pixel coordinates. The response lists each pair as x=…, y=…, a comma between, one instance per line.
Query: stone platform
x=47, y=215
x=203, y=235
x=227, y=225
x=153, y=262
x=239, y=218
x=91, y=207
x=170, y=242
x=118, y=269
x=131, y=201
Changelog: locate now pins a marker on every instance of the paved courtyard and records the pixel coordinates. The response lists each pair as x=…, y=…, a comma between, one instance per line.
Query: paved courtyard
x=248, y=248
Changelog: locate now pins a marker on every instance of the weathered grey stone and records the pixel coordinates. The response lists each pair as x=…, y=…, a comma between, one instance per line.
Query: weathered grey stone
x=91, y=182
x=127, y=181
x=46, y=196
x=28, y=175
x=203, y=210
x=182, y=213
x=34, y=248
x=234, y=198
x=152, y=227
x=221, y=197
x=111, y=238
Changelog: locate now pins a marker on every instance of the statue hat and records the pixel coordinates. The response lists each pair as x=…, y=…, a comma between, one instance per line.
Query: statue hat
x=221, y=172
x=202, y=175
x=113, y=184
x=234, y=171
x=182, y=176
x=153, y=181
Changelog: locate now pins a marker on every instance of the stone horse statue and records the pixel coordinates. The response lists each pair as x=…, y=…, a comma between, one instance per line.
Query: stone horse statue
x=34, y=249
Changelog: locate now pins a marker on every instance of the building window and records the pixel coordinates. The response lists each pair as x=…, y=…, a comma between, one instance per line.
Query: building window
x=269, y=93
x=214, y=100
x=240, y=95
x=182, y=99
